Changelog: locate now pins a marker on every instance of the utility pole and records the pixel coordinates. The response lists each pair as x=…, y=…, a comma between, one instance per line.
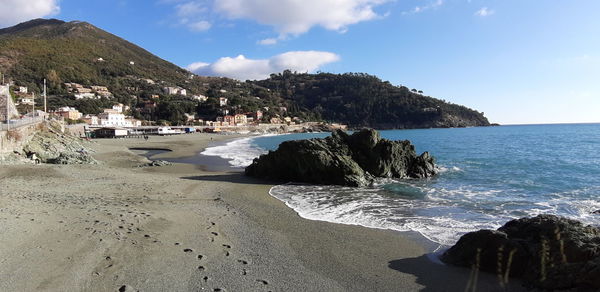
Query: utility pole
x=7, y=111
x=33, y=105
x=45, y=108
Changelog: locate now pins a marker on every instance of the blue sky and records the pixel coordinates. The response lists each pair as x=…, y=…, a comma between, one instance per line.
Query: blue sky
x=518, y=61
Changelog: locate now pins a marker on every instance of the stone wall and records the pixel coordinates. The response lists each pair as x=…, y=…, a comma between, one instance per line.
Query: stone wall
x=6, y=101
x=14, y=139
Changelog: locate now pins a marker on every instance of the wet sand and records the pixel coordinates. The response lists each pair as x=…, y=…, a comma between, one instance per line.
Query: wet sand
x=181, y=228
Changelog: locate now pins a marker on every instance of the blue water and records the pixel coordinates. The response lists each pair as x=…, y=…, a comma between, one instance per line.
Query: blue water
x=487, y=177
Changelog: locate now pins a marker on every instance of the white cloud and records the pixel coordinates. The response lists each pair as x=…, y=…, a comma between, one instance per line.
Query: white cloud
x=190, y=14
x=200, y=25
x=293, y=17
x=268, y=42
x=17, y=11
x=431, y=5
x=242, y=68
x=483, y=12
x=287, y=17
x=189, y=9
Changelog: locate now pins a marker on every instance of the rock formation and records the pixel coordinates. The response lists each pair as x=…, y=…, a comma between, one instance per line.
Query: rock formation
x=50, y=145
x=342, y=159
x=547, y=252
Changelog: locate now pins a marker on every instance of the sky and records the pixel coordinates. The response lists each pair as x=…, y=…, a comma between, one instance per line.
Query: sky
x=518, y=61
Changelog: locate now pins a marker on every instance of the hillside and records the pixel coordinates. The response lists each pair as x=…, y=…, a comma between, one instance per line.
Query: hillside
x=78, y=52
x=70, y=52
x=363, y=100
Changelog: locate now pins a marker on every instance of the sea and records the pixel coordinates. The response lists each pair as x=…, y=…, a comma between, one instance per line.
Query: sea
x=487, y=176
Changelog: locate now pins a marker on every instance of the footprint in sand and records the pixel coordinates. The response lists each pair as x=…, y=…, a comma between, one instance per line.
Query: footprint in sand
x=188, y=250
x=126, y=288
x=214, y=233
x=200, y=256
x=201, y=268
x=262, y=281
x=205, y=279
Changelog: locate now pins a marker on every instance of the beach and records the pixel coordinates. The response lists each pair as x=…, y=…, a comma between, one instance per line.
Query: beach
x=115, y=226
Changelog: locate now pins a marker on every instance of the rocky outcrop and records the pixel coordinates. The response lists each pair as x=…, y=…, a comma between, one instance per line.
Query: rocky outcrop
x=342, y=159
x=547, y=252
x=50, y=145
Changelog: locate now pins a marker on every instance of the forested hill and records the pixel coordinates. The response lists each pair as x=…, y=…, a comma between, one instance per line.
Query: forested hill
x=76, y=52
x=363, y=100
x=67, y=52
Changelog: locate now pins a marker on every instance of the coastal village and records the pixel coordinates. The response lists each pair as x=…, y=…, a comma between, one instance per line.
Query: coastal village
x=118, y=120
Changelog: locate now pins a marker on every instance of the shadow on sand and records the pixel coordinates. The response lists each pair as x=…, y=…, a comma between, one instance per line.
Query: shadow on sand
x=439, y=277
x=233, y=177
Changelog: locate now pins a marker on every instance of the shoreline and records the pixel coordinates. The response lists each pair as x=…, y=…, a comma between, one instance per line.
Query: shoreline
x=181, y=228
x=213, y=163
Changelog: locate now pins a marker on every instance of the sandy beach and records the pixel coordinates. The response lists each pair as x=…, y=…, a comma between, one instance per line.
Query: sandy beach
x=118, y=227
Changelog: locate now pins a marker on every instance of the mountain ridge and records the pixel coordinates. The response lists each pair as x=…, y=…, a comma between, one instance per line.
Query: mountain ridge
x=79, y=52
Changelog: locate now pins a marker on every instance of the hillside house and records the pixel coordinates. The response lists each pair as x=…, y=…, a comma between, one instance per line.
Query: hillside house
x=90, y=119
x=26, y=100
x=175, y=90
x=200, y=98
x=240, y=119
x=85, y=95
x=223, y=101
x=118, y=108
x=69, y=113
x=230, y=120
x=111, y=118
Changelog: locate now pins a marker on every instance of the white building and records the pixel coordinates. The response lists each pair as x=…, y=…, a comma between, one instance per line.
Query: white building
x=222, y=101
x=175, y=90
x=118, y=108
x=90, y=119
x=200, y=98
x=113, y=119
x=28, y=101
x=85, y=95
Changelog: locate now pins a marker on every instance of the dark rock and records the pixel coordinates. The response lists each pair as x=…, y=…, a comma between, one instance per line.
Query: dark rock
x=342, y=159
x=156, y=163
x=126, y=288
x=547, y=252
x=72, y=158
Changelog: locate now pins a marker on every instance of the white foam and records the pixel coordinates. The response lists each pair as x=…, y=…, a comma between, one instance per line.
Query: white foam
x=370, y=208
x=240, y=152
x=444, y=169
x=442, y=217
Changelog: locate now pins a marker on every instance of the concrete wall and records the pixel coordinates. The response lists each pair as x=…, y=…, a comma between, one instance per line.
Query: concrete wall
x=8, y=141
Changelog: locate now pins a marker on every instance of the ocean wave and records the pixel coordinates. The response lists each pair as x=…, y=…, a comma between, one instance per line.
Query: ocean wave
x=372, y=208
x=441, y=217
x=239, y=153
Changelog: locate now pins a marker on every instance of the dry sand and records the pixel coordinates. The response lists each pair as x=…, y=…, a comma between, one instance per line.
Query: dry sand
x=178, y=228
